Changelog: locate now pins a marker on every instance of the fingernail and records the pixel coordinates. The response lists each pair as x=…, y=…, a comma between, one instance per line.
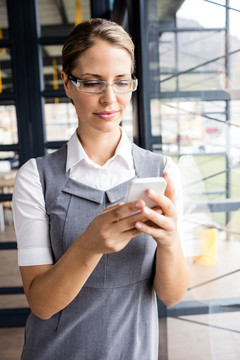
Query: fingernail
x=152, y=192
x=138, y=225
x=139, y=205
x=146, y=211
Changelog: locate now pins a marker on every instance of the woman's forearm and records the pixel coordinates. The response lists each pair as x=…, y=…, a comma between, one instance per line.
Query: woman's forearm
x=50, y=288
x=172, y=275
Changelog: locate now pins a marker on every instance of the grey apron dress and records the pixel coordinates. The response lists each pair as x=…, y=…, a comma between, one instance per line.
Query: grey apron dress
x=114, y=316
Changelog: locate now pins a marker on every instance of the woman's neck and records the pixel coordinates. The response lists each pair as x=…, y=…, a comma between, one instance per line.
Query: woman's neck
x=100, y=148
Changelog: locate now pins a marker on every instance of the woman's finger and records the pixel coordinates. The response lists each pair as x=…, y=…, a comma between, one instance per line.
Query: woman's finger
x=159, y=220
x=111, y=207
x=155, y=232
x=118, y=213
x=166, y=205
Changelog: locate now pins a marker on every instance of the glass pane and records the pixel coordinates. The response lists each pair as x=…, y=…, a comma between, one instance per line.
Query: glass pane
x=9, y=163
x=189, y=126
x=195, y=120
x=8, y=169
x=232, y=79
x=60, y=119
x=6, y=81
x=201, y=13
x=167, y=59
x=196, y=66
x=5, y=58
x=3, y=20
x=9, y=160
x=198, y=49
x=8, y=124
x=127, y=122
x=235, y=136
x=52, y=67
x=57, y=18
x=202, y=80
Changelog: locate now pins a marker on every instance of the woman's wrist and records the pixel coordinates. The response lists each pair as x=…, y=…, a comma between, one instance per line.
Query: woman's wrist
x=86, y=253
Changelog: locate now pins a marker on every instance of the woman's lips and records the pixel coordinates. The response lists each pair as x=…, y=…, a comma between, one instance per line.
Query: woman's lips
x=106, y=115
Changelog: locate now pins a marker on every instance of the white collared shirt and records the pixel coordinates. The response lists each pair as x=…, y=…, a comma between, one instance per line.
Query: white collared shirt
x=115, y=171
x=30, y=218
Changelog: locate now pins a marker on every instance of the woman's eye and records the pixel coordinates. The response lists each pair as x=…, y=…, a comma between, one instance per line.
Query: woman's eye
x=122, y=83
x=91, y=83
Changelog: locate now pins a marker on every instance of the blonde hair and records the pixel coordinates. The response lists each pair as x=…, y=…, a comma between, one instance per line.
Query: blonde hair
x=87, y=33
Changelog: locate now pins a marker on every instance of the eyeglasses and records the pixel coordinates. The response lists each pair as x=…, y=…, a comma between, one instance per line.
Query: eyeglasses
x=100, y=86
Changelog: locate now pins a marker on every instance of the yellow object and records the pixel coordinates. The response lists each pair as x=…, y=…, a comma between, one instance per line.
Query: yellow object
x=209, y=246
x=55, y=78
x=3, y=50
x=78, y=13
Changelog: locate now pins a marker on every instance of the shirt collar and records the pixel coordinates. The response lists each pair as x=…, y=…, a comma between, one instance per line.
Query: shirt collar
x=124, y=150
x=76, y=153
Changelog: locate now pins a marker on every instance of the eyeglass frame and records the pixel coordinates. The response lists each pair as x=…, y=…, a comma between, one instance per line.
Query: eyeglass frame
x=76, y=81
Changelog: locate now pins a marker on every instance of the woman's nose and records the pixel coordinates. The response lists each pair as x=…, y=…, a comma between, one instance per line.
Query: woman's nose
x=108, y=96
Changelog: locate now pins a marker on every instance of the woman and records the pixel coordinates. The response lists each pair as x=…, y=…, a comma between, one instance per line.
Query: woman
x=90, y=272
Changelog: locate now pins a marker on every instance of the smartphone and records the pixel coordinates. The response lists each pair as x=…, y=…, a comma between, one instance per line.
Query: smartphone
x=137, y=187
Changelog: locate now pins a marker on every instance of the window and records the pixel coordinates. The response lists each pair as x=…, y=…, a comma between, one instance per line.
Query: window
x=57, y=19
x=194, y=94
x=31, y=102
x=8, y=120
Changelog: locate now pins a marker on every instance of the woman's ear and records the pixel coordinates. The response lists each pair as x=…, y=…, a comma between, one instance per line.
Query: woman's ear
x=66, y=84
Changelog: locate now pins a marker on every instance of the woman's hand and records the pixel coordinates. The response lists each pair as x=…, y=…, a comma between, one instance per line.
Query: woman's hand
x=172, y=274
x=162, y=220
x=50, y=288
x=113, y=228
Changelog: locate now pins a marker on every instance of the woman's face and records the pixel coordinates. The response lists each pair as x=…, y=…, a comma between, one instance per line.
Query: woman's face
x=100, y=112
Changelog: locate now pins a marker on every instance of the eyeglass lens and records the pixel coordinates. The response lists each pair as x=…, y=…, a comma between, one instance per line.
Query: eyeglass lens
x=120, y=86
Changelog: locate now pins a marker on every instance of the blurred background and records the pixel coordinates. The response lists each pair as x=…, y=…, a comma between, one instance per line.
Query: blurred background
x=187, y=106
